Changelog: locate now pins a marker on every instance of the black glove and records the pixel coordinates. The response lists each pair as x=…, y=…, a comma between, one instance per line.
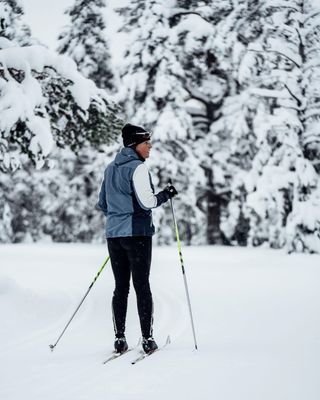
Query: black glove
x=171, y=190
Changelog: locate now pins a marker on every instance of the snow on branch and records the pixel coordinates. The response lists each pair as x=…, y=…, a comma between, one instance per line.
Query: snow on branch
x=277, y=52
x=197, y=94
x=177, y=12
x=37, y=58
x=197, y=29
x=283, y=5
x=277, y=94
x=311, y=16
x=42, y=94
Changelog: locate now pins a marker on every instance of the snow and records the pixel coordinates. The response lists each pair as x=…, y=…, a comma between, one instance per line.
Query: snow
x=195, y=24
x=255, y=310
x=38, y=57
x=42, y=141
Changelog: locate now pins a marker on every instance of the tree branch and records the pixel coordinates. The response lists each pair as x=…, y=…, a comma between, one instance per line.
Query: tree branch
x=299, y=103
x=311, y=66
x=278, y=52
x=177, y=12
x=311, y=16
x=197, y=95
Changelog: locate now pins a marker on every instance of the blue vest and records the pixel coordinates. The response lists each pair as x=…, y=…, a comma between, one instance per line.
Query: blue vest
x=117, y=199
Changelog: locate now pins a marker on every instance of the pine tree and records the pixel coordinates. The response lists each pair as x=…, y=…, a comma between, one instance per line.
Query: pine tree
x=44, y=100
x=56, y=203
x=303, y=226
x=45, y=105
x=12, y=25
x=310, y=53
x=283, y=182
x=150, y=73
x=85, y=42
x=196, y=24
x=6, y=231
x=234, y=126
x=256, y=130
x=75, y=218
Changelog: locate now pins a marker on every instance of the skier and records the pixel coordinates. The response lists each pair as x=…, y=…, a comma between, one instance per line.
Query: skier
x=127, y=198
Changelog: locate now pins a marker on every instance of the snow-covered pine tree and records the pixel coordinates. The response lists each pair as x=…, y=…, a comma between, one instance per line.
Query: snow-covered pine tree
x=54, y=204
x=84, y=40
x=11, y=29
x=45, y=100
x=208, y=83
x=31, y=202
x=73, y=214
x=303, y=226
x=12, y=25
x=6, y=231
x=232, y=130
x=236, y=42
x=234, y=34
x=153, y=96
x=310, y=52
x=284, y=183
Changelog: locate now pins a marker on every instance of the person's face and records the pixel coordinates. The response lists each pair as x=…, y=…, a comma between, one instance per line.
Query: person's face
x=143, y=149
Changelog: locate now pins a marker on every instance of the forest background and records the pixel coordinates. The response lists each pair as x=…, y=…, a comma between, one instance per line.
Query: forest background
x=230, y=90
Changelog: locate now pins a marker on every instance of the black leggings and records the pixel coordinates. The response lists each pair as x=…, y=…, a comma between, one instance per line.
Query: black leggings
x=131, y=255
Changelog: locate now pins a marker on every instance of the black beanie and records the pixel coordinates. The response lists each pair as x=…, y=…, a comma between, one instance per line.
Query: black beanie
x=132, y=135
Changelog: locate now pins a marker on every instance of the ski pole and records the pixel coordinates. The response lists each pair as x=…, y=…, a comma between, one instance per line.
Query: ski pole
x=183, y=271
x=52, y=346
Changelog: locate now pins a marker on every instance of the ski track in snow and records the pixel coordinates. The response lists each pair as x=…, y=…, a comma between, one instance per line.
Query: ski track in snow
x=256, y=318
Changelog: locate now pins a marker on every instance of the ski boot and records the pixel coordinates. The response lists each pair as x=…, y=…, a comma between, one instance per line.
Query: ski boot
x=149, y=345
x=120, y=344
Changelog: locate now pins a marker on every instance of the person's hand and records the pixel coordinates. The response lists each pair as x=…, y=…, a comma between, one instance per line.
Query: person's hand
x=171, y=190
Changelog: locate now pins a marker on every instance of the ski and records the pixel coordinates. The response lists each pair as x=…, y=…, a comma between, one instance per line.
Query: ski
x=145, y=355
x=115, y=355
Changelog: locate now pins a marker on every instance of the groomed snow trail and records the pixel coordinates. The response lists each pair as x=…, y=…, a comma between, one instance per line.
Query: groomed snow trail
x=256, y=315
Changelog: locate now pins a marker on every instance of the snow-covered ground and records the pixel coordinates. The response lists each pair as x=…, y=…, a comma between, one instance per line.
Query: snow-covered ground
x=256, y=316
